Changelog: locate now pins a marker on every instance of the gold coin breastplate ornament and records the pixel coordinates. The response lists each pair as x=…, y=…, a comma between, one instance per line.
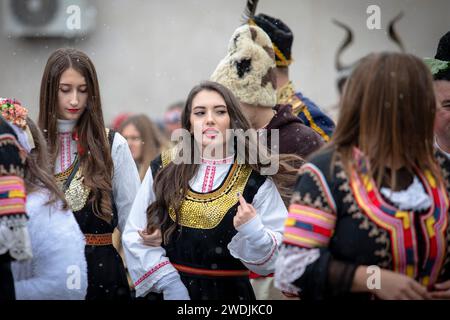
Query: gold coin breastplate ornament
x=207, y=210
x=77, y=194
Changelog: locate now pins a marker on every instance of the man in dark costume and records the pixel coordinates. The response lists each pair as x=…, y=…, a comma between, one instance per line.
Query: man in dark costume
x=282, y=38
x=440, y=68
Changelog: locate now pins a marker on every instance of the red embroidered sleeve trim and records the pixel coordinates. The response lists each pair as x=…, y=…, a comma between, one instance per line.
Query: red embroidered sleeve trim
x=150, y=272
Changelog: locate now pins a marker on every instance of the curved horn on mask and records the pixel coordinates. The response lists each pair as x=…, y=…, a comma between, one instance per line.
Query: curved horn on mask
x=345, y=44
x=393, y=35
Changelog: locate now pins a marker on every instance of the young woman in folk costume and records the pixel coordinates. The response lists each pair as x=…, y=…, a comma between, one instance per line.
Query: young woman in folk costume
x=218, y=218
x=369, y=216
x=92, y=165
x=56, y=239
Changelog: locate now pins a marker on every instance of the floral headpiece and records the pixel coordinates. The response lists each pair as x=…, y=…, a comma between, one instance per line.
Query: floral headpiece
x=13, y=112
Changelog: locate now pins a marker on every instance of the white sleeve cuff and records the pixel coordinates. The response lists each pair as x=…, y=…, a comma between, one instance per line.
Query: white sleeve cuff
x=150, y=280
x=257, y=252
x=172, y=287
x=252, y=229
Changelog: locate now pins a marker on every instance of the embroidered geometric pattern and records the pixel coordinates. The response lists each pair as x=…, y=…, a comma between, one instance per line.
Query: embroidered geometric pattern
x=66, y=152
x=444, y=163
x=12, y=195
x=208, y=179
x=150, y=272
x=322, y=187
x=434, y=226
x=308, y=227
x=400, y=225
x=103, y=239
x=380, y=235
x=7, y=139
x=211, y=179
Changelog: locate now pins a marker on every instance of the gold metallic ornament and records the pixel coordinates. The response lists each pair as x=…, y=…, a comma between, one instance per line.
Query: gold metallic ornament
x=206, y=210
x=77, y=194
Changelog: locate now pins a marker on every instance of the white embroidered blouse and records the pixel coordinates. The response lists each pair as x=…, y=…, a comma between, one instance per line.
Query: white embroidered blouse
x=125, y=182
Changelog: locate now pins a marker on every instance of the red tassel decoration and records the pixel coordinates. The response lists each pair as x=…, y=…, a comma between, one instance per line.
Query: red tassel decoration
x=80, y=149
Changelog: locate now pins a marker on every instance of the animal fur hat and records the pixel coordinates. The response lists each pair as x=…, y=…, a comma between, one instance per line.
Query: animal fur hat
x=248, y=69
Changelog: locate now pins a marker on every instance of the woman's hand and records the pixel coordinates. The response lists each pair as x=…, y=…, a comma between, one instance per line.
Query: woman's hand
x=396, y=286
x=245, y=212
x=152, y=240
x=393, y=286
x=441, y=291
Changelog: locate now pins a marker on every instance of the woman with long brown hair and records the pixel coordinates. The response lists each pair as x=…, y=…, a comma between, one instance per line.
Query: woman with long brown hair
x=369, y=216
x=93, y=165
x=144, y=139
x=219, y=216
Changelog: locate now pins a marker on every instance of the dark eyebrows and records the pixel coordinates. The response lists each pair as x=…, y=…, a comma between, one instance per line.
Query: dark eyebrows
x=202, y=107
x=69, y=85
x=198, y=107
